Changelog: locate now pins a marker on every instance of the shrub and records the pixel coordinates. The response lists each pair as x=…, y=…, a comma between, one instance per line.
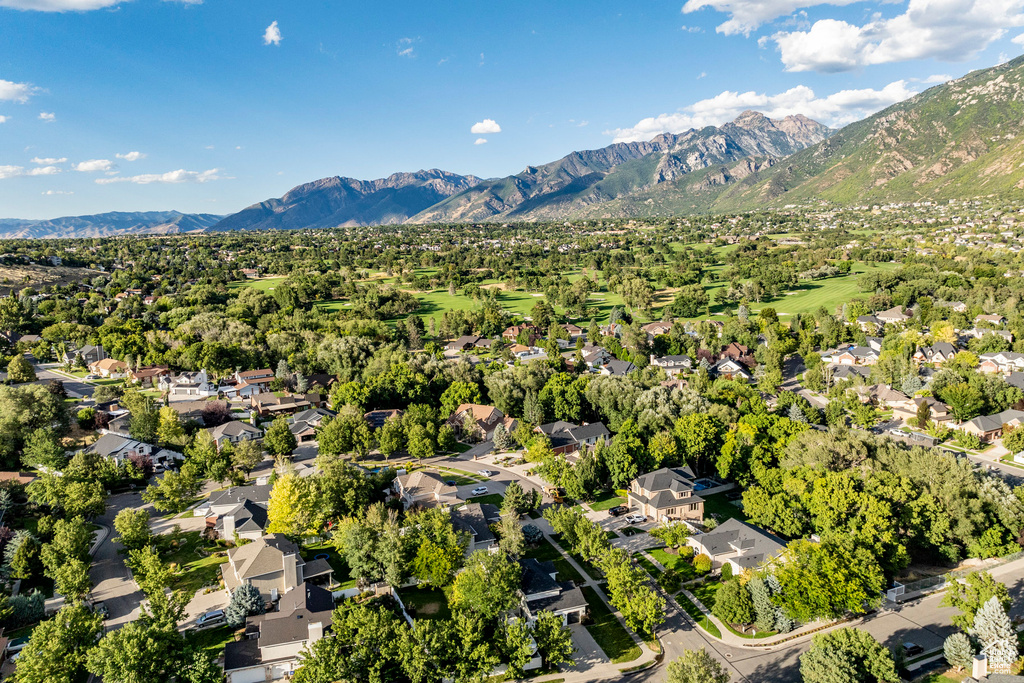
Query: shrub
x=27, y=609
x=726, y=571
x=702, y=563
x=531, y=534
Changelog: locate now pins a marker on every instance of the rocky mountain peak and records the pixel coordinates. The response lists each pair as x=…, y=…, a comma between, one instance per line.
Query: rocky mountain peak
x=752, y=120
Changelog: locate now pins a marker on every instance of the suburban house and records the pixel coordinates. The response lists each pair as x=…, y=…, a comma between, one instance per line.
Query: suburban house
x=738, y=544
x=148, y=374
x=261, y=377
x=222, y=502
x=475, y=519
x=525, y=354
x=672, y=365
x=655, y=329
x=242, y=389
x=476, y=421
x=666, y=494
x=269, y=405
x=424, y=488
x=248, y=520
x=567, y=437
x=574, y=331
x=994, y=319
x=908, y=409
x=881, y=395
x=274, y=642
x=978, y=333
x=939, y=352
x=469, y=341
x=617, y=368
x=88, y=353
x=303, y=425
x=736, y=352
x=188, y=384
x=511, y=334
x=893, y=316
x=233, y=432
x=377, y=418
x=1016, y=379
x=958, y=306
x=990, y=427
x=118, y=448
x=1003, y=361
x=857, y=355
x=731, y=369
x=869, y=323
x=848, y=372
x=108, y=367
x=272, y=564
x=541, y=592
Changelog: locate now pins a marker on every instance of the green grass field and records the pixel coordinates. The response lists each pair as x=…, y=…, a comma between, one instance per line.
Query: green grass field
x=265, y=284
x=676, y=562
x=719, y=505
x=698, y=616
x=606, y=501
x=610, y=635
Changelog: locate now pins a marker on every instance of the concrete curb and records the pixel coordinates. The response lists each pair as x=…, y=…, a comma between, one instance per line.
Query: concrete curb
x=101, y=535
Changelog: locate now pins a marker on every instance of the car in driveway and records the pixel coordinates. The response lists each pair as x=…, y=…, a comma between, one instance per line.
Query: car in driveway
x=479, y=491
x=636, y=518
x=618, y=510
x=210, y=619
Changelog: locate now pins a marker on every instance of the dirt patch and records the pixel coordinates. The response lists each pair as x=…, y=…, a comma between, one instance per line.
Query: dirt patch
x=38, y=276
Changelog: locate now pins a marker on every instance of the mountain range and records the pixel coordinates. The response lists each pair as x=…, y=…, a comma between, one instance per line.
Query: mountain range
x=959, y=139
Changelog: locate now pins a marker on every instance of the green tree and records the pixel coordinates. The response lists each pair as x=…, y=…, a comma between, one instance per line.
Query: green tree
x=995, y=633
x=173, y=491
x=19, y=370
x=446, y=441
x=733, y=603
x=958, y=651
x=170, y=432
x=629, y=592
x=828, y=579
x=44, y=449
x=279, y=439
x=56, y=650
x=137, y=652
x=554, y=640
x=391, y=437
x=488, y=586
x=969, y=595
x=696, y=666
x=246, y=601
x=700, y=439
x=458, y=393
x=246, y=455
x=847, y=655
x=420, y=444
x=291, y=509
x=516, y=501
x=132, y=526
x=964, y=400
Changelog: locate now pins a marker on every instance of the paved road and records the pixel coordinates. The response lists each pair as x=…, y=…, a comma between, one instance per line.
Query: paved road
x=111, y=579
x=75, y=387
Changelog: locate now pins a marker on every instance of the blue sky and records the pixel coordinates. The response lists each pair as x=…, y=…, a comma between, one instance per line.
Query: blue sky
x=202, y=106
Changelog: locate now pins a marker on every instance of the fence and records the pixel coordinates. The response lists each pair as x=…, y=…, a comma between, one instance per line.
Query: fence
x=935, y=583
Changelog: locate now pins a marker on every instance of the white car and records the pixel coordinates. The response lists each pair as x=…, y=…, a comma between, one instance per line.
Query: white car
x=479, y=491
x=486, y=473
x=636, y=518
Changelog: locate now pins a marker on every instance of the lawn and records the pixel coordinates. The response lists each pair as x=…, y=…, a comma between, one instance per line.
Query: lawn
x=719, y=505
x=197, y=561
x=340, y=567
x=938, y=677
x=606, y=501
x=697, y=615
x=424, y=602
x=705, y=592
x=675, y=562
x=212, y=640
x=265, y=284
x=590, y=569
x=545, y=552
x=647, y=565
x=491, y=498
x=610, y=635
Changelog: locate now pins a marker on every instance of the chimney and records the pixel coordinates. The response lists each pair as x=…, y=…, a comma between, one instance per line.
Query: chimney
x=315, y=630
x=979, y=667
x=229, y=527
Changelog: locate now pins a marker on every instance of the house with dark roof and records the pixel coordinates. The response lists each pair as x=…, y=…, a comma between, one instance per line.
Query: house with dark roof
x=475, y=519
x=221, y=502
x=541, y=592
x=939, y=352
x=848, y=372
x=274, y=642
x=617, y=368
x=869, y=323
x=938, y=411
x=741, y=545
x=377, y=418
x=233, y=432
x=857, y=355
x=672, y=365
x=988, y=428
x=1016, y=379
x=303, y=425
x=566, y=437
x=666, y=494
x=88, y=353
x=248, y=520
x=269, y=404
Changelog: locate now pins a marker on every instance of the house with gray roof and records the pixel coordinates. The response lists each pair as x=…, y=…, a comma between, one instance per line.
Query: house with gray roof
x=118, y=448
x=566, y=437
x=541, y=592
x=221, y=502
x=233, y=432
x=738, y=544
x=274, y=642
x=666, y=494
x=424, y=488
x=672, y=365
x=475, y=519
x=247, y=520
x=273, y=565
x=988, y=428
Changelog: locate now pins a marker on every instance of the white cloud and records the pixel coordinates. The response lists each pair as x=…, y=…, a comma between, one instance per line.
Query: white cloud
x=949, y=30
x=1019, y=40
x=18, y=171
x=94, y=165
x=703, y=74
x=48, y=161
x=272, y=36
x=406, y=48
x=131, y=156
x=480, y=141
x=16, y=92
x=58, y=5
x=837, y=109
x=55, y=192
x=4, y=119
x=485, y=127
x=747, y=15
x=47, y=116
x=938, y=78
x=692, y=29
x=171, y=177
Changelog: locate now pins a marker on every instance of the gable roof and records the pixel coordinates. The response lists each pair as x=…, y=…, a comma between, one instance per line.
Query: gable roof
x=234, y=428
x=754, y=544
x=238, y=494
x=262, y=556
x=249, y=517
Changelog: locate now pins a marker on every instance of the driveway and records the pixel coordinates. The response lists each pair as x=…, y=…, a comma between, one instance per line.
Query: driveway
x=588, y=653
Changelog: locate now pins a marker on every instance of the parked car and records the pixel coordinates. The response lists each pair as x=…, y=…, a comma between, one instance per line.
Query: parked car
x=92, y=376
x=618, y=510
x=16, y=645
x=212, y=618
x=450, y=482
x=486, y=473
x=101, y=609
x=636, y=518
x=479, y=491
x=912, y=649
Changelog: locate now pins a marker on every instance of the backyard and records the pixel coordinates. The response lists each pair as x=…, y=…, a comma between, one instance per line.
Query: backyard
x=422, y=602
x=719, y=505
x=610, y=635
x=341, y=576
